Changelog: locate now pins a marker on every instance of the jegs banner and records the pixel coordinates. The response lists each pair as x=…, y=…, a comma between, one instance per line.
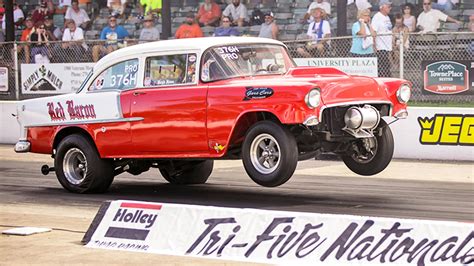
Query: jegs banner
x=278, y=237
x=448, y=77
x=53, y=78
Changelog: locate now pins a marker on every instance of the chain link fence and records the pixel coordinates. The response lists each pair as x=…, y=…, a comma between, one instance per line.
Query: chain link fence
x=404, y=61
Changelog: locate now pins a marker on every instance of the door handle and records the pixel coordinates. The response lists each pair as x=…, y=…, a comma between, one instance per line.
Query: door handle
x=136, y=93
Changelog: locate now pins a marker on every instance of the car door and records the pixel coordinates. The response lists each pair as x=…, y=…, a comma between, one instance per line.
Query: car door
x=112, y=135
x=172, y=105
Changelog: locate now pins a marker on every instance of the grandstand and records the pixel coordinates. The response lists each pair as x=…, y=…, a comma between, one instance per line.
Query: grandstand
x=288, y=15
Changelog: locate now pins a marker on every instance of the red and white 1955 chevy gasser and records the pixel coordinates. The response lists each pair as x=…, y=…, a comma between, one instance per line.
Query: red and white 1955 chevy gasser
x=177, y=105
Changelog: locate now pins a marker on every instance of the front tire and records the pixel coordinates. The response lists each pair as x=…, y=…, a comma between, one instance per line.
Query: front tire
x=269, y=154
x=187, y=172
x=79, y=167
x=370, y=163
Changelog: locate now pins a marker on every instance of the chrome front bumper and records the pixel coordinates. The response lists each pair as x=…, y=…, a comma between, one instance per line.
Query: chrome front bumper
x=22, y=146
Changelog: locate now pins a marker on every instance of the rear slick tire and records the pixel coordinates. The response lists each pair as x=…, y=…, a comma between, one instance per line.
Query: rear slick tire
x=79, y=168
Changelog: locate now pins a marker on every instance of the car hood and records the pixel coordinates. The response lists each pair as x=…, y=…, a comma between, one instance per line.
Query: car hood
x=336, y=86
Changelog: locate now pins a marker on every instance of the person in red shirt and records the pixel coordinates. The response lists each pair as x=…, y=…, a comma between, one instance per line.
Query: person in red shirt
x=209, y=14
x=40, y=13
x=189, y=29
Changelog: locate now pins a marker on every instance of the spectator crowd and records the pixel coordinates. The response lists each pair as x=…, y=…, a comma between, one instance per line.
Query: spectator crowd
x=376, y=29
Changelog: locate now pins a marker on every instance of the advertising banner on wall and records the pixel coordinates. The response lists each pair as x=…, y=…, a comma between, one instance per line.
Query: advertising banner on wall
x=363, y=66
x=53, y=78
x=3, y=79
x=435, y=133
x=278, y=237
x=448, y=77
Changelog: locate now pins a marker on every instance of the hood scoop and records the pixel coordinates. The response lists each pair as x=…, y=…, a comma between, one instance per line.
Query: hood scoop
x=314, y=71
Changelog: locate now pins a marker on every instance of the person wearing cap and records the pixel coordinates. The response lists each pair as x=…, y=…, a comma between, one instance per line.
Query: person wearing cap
x=209, y=13
x=149, y=31
x=226, y=29
x=18, y=16
x=237, y=12
x=189, y=28
x=269, y=28
x=79, y=15
x=317, y=3
x=40, y=12
x=383, y=42
x=429, y=19
x=318, y=31
x=113, y=35
x=73, y=41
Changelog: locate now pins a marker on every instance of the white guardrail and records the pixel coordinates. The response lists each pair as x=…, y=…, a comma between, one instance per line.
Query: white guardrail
x=428, y=133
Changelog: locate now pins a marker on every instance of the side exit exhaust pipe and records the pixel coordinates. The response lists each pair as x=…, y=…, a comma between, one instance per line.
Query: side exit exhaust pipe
x=45, y=169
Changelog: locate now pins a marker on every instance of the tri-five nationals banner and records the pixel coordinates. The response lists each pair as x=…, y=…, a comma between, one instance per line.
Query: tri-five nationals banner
x=278, y=237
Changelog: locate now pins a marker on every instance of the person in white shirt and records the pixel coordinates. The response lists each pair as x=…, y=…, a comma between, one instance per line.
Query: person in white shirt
x=237, y=13
x=429, y=19
x=317, y=3
x=77, y=14
x=383, y=42
x=318, y=30
x=73, y=40
x=18, y=17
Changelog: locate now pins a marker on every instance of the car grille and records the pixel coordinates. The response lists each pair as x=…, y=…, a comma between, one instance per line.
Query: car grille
x=333, y=117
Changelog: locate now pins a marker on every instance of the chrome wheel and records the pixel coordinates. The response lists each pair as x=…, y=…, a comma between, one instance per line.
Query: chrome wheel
x=365, y=150
x=265, y=153
x=75, y=166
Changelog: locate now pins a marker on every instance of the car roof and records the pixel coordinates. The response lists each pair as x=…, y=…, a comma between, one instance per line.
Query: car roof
x=194, y=44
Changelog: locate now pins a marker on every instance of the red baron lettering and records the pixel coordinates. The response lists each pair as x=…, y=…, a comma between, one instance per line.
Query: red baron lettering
x=80, y=111
x=56, y=113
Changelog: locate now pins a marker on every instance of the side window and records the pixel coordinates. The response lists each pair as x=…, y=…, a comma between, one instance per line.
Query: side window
x=170, y=70
x=120, y=76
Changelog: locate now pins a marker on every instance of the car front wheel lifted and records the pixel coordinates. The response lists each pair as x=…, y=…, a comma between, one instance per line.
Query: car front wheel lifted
x=370, y=156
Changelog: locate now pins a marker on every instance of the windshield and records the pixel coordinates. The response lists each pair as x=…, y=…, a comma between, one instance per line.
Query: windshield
x=242, y=60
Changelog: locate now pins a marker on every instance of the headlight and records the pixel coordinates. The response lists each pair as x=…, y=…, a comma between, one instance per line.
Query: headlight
x=313, y=98
x=404, y=93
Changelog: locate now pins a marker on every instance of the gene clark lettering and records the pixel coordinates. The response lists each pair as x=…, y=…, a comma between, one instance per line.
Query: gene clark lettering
x=355, y=243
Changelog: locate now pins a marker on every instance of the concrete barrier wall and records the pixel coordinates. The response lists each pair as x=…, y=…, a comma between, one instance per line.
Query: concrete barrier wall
x=435, y=133
x=428, y=132
x=9, y=127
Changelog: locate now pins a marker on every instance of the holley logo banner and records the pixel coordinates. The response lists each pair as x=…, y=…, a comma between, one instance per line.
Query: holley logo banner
x=278, y=237
x=448, y=77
